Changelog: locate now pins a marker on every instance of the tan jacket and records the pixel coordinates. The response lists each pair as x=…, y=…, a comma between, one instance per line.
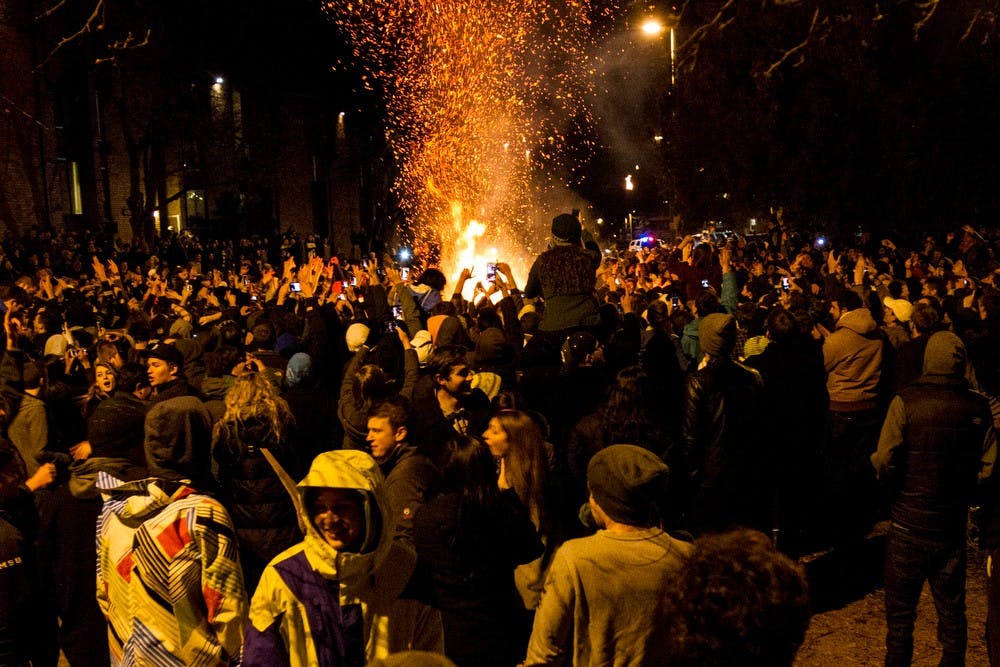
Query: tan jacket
x=852, y=355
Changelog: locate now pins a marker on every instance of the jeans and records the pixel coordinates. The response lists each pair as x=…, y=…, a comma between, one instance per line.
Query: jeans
x=850, y=487
x=909, y=561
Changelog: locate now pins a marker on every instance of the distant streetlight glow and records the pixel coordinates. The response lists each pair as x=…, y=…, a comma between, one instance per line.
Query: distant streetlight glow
x=652, y=27
x=219, y=80
x=629, y=185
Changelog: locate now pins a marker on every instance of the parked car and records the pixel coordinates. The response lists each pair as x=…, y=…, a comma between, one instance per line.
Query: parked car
x=647, y=241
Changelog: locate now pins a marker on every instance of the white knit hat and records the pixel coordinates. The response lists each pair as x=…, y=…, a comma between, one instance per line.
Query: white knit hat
x=356, y=336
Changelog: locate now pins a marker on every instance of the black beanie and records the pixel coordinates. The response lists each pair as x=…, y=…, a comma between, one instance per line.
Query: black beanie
x=625, y=481
x=567, y=228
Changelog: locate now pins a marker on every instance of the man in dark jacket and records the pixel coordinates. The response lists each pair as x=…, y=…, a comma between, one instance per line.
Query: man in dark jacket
x=722, y=436
x=408, y=473
x=445, y=404
x=936, y=438
x=165, y=370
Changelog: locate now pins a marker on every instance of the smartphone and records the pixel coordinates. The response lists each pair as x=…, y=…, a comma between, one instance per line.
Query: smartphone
x=390, y=326
x=404, y=273
x=491, y=271
x=354, y=282
x=785, y=284
x=704, y=283
x=296, y=287
x=675, y=302
x=188, y=287
x=246, y=280
x=341, y=297
x=253, y=297
x=397, y=312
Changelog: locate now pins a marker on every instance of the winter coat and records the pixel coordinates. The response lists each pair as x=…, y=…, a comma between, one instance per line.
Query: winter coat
x=262, y=512
x=168, y=575
x=18, y=575
x=470, y=554
x=319, y=606
x=431, y=429
x=852, y=356
x=408, y=477
x=603, y=600
x=565, y=276
x=115, y=430
x=934, y=444
x=723, y=445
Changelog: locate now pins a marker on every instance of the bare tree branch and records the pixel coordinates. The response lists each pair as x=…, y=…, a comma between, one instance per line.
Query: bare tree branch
x=87, y=27
x=51, y=10
x=689, y=48
x=10, y=105
x=128, y=44
x=795, y=49
x=928, y=7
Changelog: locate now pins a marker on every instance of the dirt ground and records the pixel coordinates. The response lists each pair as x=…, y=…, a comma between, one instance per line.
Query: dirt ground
x=854, y=633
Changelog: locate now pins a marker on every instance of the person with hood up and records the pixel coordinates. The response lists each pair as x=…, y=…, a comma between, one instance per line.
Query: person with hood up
x=853, y=356
x=333, y=599
x=936, y=440
x=169, y=580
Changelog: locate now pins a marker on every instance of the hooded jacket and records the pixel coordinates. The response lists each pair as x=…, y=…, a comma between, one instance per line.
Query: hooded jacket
x=319, y=606
x=934, y=444
x=852, y=355
x=168, y=578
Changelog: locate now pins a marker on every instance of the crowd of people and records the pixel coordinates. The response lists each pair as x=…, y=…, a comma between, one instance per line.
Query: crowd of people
x=294, y=458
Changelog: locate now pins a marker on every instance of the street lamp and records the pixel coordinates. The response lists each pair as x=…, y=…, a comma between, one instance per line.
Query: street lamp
x=654, y=27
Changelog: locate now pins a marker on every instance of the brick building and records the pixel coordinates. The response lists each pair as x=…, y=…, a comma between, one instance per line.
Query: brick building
x=233, y=132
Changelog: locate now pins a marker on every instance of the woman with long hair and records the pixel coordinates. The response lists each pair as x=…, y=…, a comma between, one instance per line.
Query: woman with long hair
x=625, y=417
x=525, y=465
x=105, y=382
x=256, y=417
x=469, y=538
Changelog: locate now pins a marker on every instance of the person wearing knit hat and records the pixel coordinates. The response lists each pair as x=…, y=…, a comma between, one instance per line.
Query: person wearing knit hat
x=630, y=558
x=935, y=444
x=896, y=315
x=718, y=335
x=423, y=344
x=565, y=276
x=566, y=228
x=722, y=452
x=356, y=336
x=299, y=369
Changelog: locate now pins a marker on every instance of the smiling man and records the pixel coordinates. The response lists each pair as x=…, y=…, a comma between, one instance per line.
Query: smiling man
x=332, y=599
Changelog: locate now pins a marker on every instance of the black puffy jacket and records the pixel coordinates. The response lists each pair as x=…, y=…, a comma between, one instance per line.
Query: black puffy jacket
x=932, y=478
x=262, y=511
